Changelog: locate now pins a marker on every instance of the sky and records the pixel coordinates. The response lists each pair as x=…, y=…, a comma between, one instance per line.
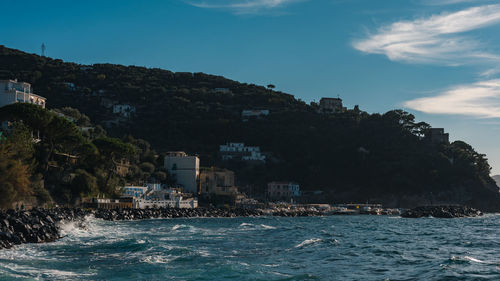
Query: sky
x=437, y=59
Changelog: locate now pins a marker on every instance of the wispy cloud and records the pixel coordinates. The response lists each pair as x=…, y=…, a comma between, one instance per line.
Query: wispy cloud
x=481, y=100
x=440, y=39
x=447, y=2
x=242, y=6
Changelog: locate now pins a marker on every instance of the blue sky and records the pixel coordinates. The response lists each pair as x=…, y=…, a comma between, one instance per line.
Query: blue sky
x=438, y=59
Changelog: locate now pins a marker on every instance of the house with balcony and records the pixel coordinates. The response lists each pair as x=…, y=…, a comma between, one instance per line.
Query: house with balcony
x=12, y=91
x=240, y=152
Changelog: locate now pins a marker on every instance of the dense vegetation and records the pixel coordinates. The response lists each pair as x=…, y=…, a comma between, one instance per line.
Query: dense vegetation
x=352, y=156
x=46, y=157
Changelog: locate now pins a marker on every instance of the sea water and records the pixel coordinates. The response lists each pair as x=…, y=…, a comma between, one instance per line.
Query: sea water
x=265, y=248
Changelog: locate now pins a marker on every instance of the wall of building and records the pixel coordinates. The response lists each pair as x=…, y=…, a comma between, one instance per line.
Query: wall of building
x=185, y=169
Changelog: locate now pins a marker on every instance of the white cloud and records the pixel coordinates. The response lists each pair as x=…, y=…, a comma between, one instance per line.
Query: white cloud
x=481, y=100
x=242, y=6
x=436, y=39
x=446, y=2
x=490, y=72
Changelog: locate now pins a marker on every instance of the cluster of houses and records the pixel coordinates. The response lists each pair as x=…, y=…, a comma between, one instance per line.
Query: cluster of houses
x=192, y=181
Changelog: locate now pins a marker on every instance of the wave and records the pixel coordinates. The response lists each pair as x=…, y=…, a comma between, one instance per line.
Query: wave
x=468, y=259
x=19, y=271
x=156, y=260
x=179, y=226
x=254, y=226
x=267, y=226
x=308, y=242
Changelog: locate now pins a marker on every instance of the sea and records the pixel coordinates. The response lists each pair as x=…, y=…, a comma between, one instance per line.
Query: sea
x=359, y=247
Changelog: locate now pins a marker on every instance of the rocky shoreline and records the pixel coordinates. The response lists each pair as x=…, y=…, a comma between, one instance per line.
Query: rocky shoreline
x=442, y=212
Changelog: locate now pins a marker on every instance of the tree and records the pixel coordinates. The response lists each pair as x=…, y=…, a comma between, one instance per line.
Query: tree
x=14, y=177
x=55, y=131
x=83, y=184
x=111, y=150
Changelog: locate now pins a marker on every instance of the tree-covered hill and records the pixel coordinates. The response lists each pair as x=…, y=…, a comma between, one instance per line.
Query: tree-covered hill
x=351, y=156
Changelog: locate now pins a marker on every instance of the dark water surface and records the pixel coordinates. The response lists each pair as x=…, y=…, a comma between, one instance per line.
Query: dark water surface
x=266, y=248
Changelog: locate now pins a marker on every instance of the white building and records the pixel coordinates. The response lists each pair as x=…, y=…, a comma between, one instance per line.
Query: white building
x=154, y=186
x=135, y=191
x=12, y=91
x=238, y=151
x=185, y=169
x=253, y=114
x=282, y=190
x=169, y=198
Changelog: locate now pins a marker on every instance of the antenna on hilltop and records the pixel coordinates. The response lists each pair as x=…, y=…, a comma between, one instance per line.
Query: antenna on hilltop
x=43, y=50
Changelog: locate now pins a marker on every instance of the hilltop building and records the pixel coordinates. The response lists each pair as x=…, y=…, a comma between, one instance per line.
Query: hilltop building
x=437, y=135
x=253, y=114
x=282, y=190
x=185, y=169
x=331, y=105
x=12, y=91
x=240, y=152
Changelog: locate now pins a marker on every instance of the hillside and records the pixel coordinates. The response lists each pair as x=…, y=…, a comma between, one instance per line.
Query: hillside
x=352, y=156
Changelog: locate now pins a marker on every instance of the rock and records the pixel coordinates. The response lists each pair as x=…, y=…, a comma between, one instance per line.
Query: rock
x=441, y=212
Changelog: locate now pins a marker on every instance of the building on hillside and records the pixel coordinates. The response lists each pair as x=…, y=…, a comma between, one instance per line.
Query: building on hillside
x=165, y=198
x=217, y=181
x=250, y=114
x=185, y=169
x=124, y=110
x=154, y=186
x=437, y=135
x=12, y=91
x=105, y=203
x=331, y=105
x=282, y=190
x=134, y=191
x=221, y=90
x=240, y=152
x=122, y=167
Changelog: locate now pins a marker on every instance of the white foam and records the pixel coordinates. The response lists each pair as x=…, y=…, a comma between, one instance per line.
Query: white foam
x=308, y=242
x=178, y=226
x=467, y=258
x=156, y=260
x=38, y=273
x=267, y=226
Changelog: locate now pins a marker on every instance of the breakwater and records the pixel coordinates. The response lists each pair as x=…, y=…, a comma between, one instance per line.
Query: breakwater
x=42, y=225
x=441, y=212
